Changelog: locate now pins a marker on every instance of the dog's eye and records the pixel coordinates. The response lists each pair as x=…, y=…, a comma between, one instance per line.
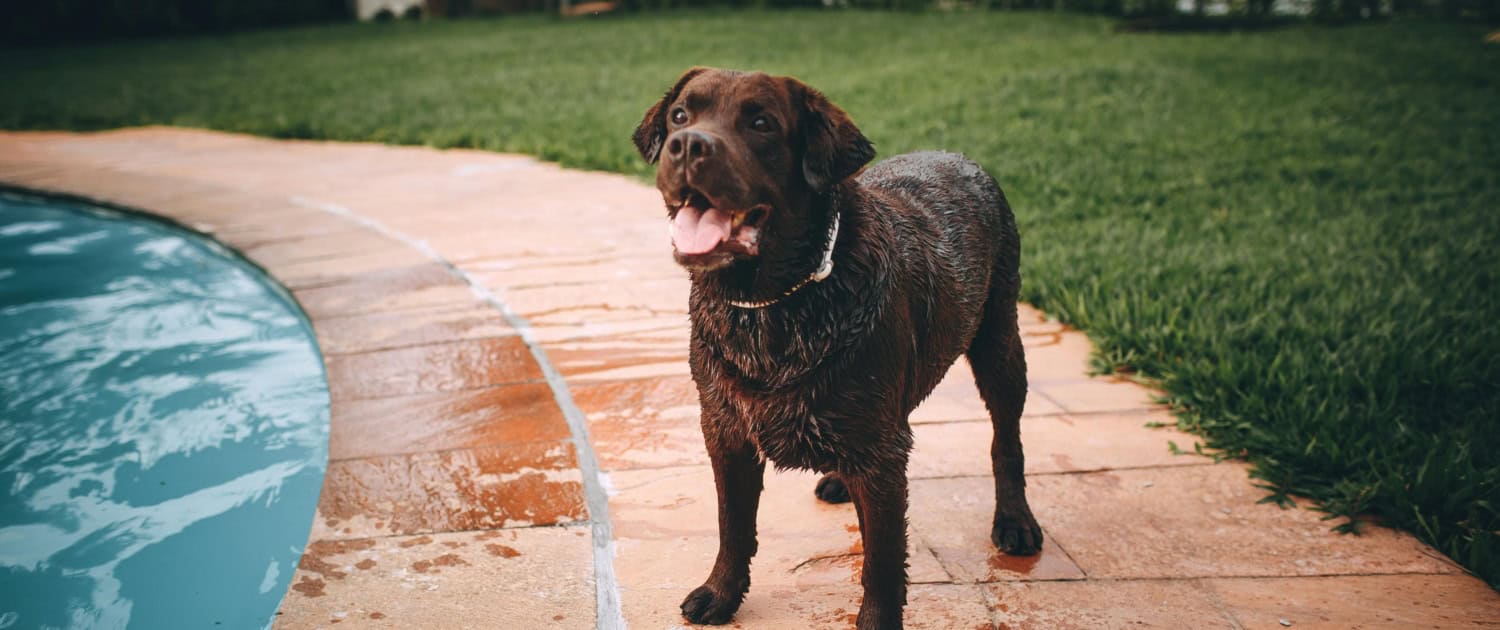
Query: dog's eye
x=761, y=123
x=679, y=116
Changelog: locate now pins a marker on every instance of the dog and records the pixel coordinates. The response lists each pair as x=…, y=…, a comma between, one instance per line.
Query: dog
x=827, y=300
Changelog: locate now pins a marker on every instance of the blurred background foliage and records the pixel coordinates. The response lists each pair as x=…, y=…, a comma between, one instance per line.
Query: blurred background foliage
x=51, y=21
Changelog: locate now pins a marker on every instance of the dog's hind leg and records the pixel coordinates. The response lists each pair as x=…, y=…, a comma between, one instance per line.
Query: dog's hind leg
x=999, y=365
x=831, y=489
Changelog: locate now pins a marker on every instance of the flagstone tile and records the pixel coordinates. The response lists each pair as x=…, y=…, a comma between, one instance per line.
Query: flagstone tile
x=953, y=518
x=1206, y=521
x=1099, y=395
x=520, y=578
x=1053, y=444
x=1106, y=604
x=507, y=414
x=956, y=397
x=411, y=285
x=489, y=487
x=643, y=423
x=432, y=368
x=1360, y=601
x=398, y=329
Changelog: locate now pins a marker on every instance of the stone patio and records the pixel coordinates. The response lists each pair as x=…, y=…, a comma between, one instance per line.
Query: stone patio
x=515, y=440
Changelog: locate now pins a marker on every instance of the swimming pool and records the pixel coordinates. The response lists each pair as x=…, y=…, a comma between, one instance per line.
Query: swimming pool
x=163, y=425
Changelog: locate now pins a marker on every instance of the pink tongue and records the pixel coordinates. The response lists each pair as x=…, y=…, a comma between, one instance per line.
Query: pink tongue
x=695, y=232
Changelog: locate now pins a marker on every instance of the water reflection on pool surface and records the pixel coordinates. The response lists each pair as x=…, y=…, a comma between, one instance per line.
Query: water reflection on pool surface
x=163, y=426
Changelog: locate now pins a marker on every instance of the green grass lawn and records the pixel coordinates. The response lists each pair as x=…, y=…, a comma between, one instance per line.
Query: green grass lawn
x=1294, y=232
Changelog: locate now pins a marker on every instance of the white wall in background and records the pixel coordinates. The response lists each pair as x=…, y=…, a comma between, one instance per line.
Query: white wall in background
x=368, y=9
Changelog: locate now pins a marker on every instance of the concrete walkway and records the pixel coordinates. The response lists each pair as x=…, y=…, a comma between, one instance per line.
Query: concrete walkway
x=515, y=441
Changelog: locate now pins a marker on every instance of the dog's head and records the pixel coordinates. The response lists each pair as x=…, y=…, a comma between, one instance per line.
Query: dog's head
x=741, y=157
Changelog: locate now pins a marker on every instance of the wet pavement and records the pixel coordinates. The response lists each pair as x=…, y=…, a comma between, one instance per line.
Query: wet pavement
x=446, y=287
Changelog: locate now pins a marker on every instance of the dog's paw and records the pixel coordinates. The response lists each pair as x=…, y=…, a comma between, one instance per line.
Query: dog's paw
x=1017, y=536
x=831, y=489
x=703, y=605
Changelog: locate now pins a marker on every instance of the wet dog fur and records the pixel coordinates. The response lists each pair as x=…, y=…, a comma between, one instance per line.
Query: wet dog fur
x=926, y=268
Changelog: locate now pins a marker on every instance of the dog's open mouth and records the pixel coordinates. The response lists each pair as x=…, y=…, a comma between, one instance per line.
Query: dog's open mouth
x=699, y=227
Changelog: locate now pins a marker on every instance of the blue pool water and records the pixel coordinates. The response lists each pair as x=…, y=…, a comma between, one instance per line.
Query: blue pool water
x=163, y=426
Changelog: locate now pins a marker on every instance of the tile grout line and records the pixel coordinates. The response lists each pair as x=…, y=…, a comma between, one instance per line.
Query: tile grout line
x=442, y=451
x=1218, y=603
x=420, y=344
x=1045, y=396
x=475, y=530
x=606, y=589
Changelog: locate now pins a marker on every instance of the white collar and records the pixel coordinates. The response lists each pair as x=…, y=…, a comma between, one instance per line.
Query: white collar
x=818, y=275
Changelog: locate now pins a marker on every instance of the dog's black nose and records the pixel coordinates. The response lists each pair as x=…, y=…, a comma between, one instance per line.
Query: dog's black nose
x=690, y=144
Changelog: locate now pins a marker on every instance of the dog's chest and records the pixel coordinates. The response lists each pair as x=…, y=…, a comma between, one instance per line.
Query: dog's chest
x=773, y=382
x=790, y=433
x=815, y=426
x=800, y=382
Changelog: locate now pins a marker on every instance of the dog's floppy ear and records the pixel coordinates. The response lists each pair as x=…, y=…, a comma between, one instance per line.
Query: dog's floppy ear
x=833, y=147
x=652, y=131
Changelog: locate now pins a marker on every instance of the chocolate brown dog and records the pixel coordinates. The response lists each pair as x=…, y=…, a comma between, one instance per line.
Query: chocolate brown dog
x=826, y=304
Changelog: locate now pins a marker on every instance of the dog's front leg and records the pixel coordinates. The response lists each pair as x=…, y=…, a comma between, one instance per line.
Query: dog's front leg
x=738, y=475
x=880, y=501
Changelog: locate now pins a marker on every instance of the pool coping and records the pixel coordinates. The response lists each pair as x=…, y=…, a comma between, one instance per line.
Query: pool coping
x=606, y=591
x=184, y=218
